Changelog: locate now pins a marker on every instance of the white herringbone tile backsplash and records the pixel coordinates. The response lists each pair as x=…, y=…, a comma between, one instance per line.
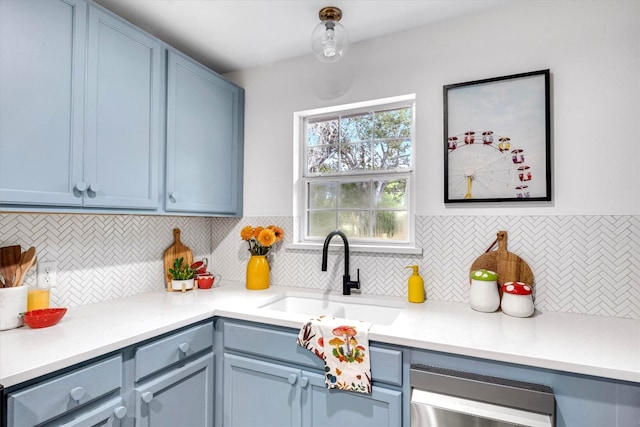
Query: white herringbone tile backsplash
x=581, y=264
x=102, y=257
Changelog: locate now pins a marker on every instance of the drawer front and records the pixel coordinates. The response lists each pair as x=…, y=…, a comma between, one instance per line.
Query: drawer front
x=386, y=363
x=159, y=354
x=54, y=397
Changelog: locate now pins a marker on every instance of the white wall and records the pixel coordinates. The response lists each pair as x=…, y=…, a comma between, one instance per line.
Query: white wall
x=591, y=47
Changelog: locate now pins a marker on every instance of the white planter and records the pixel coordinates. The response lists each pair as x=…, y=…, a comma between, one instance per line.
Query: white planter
x=182, y=285
x=13, y=301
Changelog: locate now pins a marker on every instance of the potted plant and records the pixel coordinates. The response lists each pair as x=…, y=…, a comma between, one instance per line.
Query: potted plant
x=181, y=276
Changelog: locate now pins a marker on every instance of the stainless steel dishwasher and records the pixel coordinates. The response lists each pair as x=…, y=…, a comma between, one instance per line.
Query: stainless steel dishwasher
x=447, y=398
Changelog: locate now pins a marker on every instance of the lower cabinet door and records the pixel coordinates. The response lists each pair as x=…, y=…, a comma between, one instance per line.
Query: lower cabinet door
x=260, y=394
x=180, y=397
x=323, y=407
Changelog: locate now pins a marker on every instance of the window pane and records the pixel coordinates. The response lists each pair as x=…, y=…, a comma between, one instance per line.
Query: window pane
x=356, y=128
x=322, y=159
x=393, y=123
x=390, y=225
x=355, y=156
x=354, y=223
x=349, y=155
x=325, y=132
x=392, y=154
x=321, y=223
x=322, y=195
x=390, y=194
x=355, y=195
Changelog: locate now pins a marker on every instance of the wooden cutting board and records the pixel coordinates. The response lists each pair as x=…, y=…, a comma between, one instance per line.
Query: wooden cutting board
x=177, y=250
x=509, y=266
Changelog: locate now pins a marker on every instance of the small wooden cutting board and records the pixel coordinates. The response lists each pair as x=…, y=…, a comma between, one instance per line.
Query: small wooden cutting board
x=177, y=250
x=509, y=266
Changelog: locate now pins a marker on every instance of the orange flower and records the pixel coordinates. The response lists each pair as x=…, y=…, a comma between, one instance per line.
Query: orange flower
x=246, y=232
x=278, y=232
x=266, y=237
x=256, y=232
x=261, y=239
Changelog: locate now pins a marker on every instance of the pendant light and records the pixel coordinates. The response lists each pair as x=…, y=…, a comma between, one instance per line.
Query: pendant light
x=329, y=39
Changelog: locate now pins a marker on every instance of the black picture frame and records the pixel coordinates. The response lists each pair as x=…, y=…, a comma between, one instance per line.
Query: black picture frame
x=497, y=139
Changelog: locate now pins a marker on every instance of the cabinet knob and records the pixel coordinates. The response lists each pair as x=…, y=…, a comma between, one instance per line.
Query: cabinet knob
x=304, y=382
x=94, y=187
x=174, y=196
x=184, y=347
x=81, y=186
x=77, y=393
x=292, y=378
x=147, y=396
x=120, y=412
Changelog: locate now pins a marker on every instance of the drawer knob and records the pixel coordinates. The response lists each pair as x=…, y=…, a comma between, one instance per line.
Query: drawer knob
x=304, y=381
x=81, y=186
x=77, y=393
x=120, y=412
x=292, y=378
x=147, y=396
x=184, y=347
x=94, y=188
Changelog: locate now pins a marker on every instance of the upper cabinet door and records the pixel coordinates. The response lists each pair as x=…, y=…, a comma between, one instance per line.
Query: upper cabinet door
x=124, y=95
x=205, y=121
x=42, y=45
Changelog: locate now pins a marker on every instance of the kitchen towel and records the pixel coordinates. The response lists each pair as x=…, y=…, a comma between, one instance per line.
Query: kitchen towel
x=344, y=346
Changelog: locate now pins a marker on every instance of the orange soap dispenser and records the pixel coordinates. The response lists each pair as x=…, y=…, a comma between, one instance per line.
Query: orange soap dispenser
x=416, y=286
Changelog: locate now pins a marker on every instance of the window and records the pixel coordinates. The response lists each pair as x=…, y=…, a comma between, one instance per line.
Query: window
x=356, y=171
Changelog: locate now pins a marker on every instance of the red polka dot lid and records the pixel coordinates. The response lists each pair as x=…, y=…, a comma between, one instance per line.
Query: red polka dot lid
x=517, y=288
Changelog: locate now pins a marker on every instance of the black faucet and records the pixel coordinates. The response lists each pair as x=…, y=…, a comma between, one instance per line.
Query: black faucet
x=347, y=284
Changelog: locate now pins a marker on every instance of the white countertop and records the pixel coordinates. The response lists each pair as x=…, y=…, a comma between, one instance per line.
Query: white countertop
x=593, y=345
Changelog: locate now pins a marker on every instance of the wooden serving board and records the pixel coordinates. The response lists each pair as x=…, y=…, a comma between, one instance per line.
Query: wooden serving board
x=509, y=266
x=177, y=250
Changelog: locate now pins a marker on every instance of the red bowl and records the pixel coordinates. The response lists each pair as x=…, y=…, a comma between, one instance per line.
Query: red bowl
x=43, y=318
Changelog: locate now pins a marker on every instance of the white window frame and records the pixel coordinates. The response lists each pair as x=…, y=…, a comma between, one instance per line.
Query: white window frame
x=300, y=118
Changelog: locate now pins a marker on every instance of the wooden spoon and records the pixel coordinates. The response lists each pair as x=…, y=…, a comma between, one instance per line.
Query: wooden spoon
x=9, y=261
x=27, y=259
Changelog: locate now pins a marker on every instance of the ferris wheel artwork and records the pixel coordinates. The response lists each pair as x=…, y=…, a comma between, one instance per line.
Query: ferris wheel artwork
x=497, y=139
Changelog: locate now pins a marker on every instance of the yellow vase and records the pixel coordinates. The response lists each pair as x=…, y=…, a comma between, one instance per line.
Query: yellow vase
x=257, y=272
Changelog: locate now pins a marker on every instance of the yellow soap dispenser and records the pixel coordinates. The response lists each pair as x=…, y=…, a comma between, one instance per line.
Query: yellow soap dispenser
x=416, y=286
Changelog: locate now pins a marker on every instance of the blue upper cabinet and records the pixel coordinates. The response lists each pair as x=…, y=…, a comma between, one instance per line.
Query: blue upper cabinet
x=82, y=118
x=204, y=152
x=123, y=106
x=42, y=55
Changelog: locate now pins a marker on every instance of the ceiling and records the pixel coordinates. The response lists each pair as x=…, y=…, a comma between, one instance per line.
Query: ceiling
x=229, y=35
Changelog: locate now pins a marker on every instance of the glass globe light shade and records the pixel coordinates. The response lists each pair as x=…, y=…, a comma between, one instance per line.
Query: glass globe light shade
x=329, y=41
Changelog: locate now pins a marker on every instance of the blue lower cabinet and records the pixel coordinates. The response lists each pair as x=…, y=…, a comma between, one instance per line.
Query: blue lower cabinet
x=323, y=407
x=266, y=394
x=269, y=381
x=90, y=395
x=180, y=397
x=260, y=393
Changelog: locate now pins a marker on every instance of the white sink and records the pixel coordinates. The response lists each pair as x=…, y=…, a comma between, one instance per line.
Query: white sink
x=335, y=306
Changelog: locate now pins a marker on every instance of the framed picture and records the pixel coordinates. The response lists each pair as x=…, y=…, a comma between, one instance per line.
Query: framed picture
x=497, y=139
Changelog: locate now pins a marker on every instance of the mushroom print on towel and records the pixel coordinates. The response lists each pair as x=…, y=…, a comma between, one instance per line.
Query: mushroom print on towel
x=344, y=346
